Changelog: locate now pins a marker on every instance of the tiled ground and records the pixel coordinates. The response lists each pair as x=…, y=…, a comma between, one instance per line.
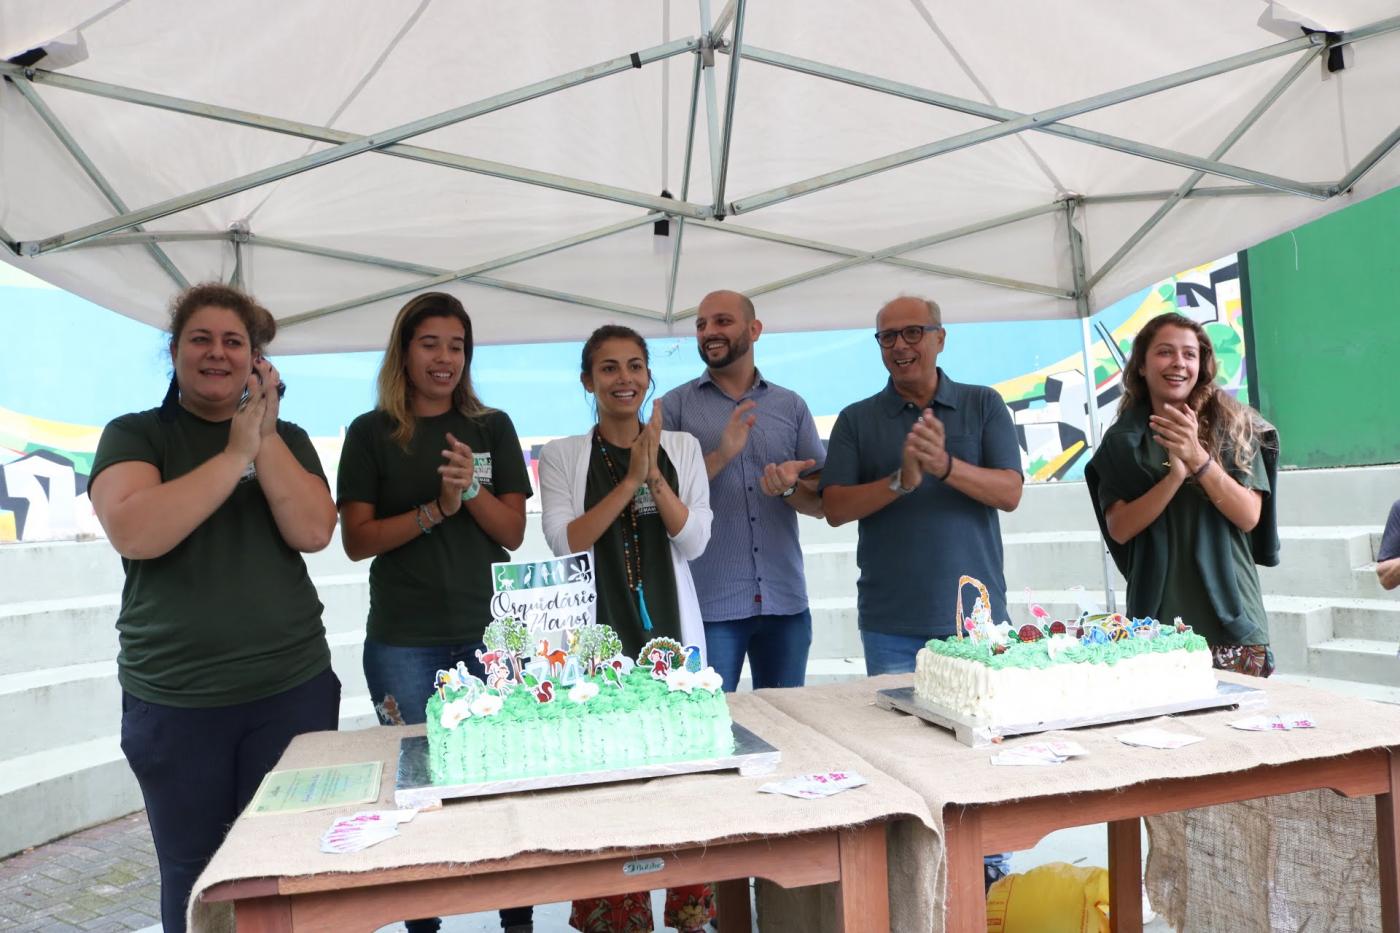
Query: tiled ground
x=101, y=880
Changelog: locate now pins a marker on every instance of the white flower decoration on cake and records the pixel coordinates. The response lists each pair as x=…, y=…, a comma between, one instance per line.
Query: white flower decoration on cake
x=453, y=713
x=680, y=679
x=488, y=704
x=1055, y=645
x=583, y=691
x=709, y=679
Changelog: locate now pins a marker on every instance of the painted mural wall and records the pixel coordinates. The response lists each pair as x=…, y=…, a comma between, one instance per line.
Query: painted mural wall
x=67, y=367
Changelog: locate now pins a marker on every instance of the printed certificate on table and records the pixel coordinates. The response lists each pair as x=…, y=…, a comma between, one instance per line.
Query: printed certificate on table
x=305, y=789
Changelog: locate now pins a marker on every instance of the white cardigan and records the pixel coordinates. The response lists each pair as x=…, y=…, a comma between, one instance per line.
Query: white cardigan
x=564, y=476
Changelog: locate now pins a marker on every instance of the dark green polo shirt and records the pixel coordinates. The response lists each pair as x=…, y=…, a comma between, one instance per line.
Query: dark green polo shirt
x=436, y=588
x=912, y=552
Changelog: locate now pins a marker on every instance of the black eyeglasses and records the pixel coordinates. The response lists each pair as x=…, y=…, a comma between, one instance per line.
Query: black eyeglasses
x=911, y=334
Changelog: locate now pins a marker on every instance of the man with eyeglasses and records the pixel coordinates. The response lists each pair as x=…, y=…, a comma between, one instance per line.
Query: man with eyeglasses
x=923, y=465
x=763, y=456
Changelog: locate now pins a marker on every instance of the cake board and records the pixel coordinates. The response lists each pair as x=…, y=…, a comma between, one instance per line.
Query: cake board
x=413, y=787
x=979, y=734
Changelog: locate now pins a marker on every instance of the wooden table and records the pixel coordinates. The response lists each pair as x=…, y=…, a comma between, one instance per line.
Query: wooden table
x=971, y=831
x=854, y=857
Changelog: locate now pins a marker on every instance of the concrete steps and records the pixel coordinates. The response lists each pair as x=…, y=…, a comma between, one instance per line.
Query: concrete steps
x=1362, y=659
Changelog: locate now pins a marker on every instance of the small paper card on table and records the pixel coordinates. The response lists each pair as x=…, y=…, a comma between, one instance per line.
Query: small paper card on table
x=1051, y=752
x=304, y=789
x=364, y=829
x=1282, y=722
x=1159, y=738
x=815, y=786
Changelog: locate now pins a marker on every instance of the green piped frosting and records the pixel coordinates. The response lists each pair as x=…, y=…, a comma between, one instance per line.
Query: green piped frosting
x=1036, y=654
x=643, y=723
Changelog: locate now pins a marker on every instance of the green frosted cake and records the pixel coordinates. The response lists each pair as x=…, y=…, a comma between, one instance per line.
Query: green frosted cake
x=581, y=710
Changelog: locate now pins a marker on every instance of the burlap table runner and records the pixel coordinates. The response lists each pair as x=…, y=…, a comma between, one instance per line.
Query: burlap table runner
x=671, y=811
x=1338, y=861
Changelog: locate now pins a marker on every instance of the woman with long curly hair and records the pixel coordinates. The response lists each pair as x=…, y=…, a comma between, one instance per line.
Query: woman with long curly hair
x=1183, y=487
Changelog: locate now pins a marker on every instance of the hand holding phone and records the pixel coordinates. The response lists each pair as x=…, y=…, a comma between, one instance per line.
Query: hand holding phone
x=267, y=375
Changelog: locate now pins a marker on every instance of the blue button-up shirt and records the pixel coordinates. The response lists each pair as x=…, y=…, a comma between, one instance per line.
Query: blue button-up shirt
x=753, y=565
x=913, y=551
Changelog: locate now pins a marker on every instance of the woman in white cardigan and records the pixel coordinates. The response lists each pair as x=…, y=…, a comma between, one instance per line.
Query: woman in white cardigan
x=639, y=498
x=622, y=488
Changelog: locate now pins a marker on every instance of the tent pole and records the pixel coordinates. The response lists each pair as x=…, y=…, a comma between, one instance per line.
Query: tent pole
x=132, y=238
x=1224, y=191
x=56, y=126
x=357, y=146
x=473, y=271
x=1194, y=178
x=910, y=246
x=859, y=258
x=1091, y=389
x=1001, y=114
x=730, y=96
x=1045, y=118
x=711, y=101
x=1369, y=160
x=722, y=22
x=1378, y=28
x=325, y=134
x=685, y=188
x=757, y=234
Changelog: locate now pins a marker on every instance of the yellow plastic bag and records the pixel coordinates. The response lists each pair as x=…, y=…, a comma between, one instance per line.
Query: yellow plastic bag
x=1053, y=898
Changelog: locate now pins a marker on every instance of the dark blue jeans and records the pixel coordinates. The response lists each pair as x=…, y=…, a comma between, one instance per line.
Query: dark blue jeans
x=400, y=680
x=198, y=768
x=776, y=645
x=889, y=653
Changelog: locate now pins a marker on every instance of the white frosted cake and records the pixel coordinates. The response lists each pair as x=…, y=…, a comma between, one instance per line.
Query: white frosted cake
x=1093, y=666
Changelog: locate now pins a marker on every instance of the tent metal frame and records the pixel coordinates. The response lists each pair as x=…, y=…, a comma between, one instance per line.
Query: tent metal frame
x=125, y=227
x=1006, y=122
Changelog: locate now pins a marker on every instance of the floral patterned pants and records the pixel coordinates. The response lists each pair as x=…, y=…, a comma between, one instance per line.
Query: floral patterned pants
x=687, y=908
x=1254, y=660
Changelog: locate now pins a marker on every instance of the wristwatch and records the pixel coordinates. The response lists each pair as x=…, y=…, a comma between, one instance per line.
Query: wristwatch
x=897, y=487
x=789, y=491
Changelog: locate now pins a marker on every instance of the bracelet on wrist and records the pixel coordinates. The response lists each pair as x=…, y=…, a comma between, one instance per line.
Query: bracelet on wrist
x=419, y=515
x=948, y=472
x=470, y=492
x=1200, y=471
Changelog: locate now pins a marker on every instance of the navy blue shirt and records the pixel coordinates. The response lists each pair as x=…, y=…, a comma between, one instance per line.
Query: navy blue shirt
x=1390, y=540
x=753, y=565
x=913, y=551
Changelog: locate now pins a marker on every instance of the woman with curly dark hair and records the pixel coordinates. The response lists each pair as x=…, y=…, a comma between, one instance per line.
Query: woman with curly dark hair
x=1183, y=485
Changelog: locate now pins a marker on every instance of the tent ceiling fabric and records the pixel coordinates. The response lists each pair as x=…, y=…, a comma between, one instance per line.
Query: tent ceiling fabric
x=536, y=210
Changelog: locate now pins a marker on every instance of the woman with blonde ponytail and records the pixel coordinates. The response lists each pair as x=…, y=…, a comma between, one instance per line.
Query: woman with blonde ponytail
x=1183, y=485
x=432, y=485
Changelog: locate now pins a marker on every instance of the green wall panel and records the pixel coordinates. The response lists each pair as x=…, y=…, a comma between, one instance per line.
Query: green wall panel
x=1324, y=305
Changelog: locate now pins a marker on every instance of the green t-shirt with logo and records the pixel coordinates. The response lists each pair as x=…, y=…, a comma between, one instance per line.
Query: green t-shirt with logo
x=229, y=615
x=436, y=588
x=1185, y=592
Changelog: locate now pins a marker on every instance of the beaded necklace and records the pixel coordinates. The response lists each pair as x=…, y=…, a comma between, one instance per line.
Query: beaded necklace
x=631, y=544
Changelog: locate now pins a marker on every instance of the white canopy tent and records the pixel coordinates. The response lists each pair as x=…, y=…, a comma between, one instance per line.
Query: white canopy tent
x=1014, y=160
